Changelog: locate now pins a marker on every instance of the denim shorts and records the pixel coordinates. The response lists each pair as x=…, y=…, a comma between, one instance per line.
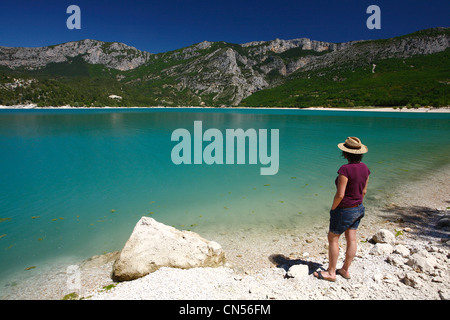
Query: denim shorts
x=343, y=219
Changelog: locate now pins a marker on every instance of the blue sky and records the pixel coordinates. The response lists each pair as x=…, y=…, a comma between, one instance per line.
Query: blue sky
x=158, y=26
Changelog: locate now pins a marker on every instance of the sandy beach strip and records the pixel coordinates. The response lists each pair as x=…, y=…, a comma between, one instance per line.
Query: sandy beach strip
x=374, y=109
x=386, y=109
x=257, y=263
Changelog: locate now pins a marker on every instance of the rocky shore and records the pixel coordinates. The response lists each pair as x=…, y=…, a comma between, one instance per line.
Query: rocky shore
x=403, y=253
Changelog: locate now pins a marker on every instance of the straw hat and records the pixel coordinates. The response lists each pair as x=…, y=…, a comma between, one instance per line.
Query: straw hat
x=353, y=145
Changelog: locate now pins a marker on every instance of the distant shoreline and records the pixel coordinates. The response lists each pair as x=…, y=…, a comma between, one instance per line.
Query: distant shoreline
x=375, y=109
x=386, y=109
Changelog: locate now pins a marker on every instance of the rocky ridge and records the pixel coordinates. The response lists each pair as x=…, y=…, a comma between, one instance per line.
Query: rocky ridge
x=214, y=73
x=280, y=46
x=235, y=72
x=365, y=53
x=111, y=54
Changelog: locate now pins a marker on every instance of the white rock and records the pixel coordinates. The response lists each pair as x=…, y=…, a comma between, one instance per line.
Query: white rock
x=444, y=294
x=402, y=250
x=381, y=249
x=298, y=271
x=384, y=236
x=412, y=279
x=395, y=260
x=422, y=261
x=377, y=277
x=153, y=245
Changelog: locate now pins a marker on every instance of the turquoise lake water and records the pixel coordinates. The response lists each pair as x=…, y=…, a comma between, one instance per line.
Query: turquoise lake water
x=73, y=183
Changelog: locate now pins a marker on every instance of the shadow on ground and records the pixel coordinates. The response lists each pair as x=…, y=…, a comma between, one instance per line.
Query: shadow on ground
x=281, y=261
x=423, y=221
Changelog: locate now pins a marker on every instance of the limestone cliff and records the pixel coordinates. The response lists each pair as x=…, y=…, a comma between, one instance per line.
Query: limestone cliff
x=211, y=73
x=111, y=54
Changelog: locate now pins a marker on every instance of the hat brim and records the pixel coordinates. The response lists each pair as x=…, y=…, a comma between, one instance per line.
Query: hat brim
x=362, y=150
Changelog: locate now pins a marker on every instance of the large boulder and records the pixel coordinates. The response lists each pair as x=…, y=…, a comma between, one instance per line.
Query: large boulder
x=153, y=245
x=384, y=236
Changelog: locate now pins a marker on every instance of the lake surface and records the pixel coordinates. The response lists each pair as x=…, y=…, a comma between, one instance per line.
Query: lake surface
x=73, y=183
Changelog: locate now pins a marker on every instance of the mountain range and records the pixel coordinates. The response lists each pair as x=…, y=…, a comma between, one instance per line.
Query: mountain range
x=411, y=70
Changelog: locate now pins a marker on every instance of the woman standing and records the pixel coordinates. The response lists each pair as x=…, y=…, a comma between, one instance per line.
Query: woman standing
x=347, y=208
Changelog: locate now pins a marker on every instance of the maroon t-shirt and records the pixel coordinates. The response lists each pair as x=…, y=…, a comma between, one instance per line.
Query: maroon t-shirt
x=357, y=174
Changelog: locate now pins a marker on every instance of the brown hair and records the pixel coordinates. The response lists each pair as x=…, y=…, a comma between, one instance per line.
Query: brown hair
x=352, y=157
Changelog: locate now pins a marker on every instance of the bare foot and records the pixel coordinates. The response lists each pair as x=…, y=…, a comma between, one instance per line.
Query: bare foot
x=343, y=273
x=324, y=275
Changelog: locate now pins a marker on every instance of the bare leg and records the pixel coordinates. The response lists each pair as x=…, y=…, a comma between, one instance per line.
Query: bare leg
x=333, y=252
x=350, y=236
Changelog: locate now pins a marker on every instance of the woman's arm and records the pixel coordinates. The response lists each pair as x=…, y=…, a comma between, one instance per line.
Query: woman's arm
x=365, y=188
x=340, y=192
